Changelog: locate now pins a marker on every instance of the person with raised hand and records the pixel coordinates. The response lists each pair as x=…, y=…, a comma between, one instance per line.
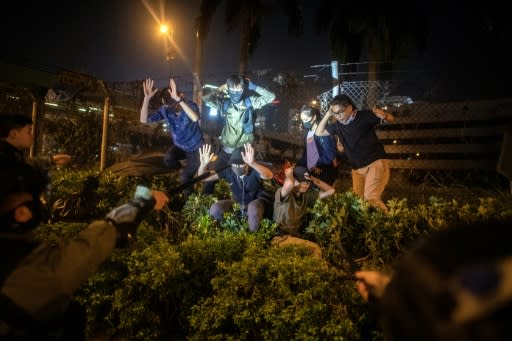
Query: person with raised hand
x=182, y=118
x=245, y=177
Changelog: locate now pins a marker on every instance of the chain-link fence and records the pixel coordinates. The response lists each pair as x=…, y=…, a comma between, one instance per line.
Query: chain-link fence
x=428, y=138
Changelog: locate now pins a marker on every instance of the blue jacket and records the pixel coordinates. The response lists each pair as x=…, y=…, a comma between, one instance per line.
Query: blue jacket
x=246, y=189
x=185, y=133
x=326, y=151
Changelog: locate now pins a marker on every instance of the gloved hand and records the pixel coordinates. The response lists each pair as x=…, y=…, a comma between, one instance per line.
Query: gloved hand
x=127, y=217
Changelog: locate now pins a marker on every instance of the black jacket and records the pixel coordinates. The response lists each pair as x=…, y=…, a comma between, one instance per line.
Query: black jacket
x=10, y=154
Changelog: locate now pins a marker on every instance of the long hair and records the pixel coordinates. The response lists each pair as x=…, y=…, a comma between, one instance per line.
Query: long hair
x=310, y=112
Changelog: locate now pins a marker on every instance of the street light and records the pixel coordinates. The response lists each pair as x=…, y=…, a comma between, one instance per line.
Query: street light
x=164, y=28
x=168, y=33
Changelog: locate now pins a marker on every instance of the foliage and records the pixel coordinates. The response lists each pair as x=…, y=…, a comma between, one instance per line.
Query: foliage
x=247, y=16
x=196, y=214
x=130, y=294
x=351, y=232
x=70, y=133
x=276, y=294
x=188, y=276
x=201, y=257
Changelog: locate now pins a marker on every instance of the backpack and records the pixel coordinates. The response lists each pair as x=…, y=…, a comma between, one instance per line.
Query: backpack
x=248, y=118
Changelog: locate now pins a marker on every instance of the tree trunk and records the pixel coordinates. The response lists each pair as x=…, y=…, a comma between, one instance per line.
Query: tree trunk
x=244, y=48
x=198, y=62
x=245, y=29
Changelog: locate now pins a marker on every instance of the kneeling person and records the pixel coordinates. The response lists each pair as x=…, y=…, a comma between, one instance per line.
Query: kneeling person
x=294, y=198
x=245, y=177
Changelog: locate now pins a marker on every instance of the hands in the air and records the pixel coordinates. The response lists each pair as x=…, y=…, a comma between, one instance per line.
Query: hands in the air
x=147, y=85
x=205, y=154
x=172, y=90
x=248, y=155
x=379, y=112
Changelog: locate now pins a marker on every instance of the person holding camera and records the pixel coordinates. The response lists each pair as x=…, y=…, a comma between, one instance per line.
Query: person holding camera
x=365, y=153
x=235, y=101
x=38, y=279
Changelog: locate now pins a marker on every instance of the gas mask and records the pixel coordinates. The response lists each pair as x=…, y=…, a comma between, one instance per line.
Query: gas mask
x=235, y=96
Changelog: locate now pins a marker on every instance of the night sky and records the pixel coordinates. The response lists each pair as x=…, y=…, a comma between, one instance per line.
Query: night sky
x=119, y=40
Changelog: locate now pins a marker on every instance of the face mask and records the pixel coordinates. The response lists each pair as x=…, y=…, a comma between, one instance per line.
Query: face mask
x=347, y=121
x=235, y=96
x=239, y=171
x=308, y=124
x=8, y=220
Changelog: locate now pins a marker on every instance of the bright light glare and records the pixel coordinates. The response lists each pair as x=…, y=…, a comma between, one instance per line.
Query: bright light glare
x=209, y=86
x=167, y=32
x=213, y=112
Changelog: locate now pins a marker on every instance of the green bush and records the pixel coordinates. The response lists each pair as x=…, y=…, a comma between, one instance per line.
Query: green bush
x=188, y=276
x=276, y=294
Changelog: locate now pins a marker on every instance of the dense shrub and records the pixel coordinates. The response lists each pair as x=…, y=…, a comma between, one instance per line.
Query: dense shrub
x=187, y=276
x=276, y=294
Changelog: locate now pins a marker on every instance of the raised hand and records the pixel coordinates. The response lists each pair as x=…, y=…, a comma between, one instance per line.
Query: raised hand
x=379, y=112
x=147, y=85
x=172, y=90
x=288, y=172
x=250, y=85
x=205, y=154
x=307, y=176
x=223, y=88
x=248, y=155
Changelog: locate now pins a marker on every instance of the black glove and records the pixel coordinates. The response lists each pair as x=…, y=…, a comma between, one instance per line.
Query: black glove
x=127, y=217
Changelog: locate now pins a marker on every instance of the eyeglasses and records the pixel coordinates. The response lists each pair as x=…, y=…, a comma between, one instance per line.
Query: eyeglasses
x=340, y=112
